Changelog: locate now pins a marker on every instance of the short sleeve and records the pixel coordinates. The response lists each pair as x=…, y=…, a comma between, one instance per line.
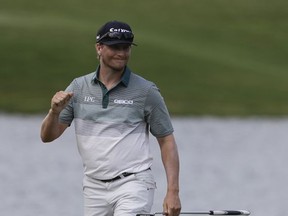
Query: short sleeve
x=156, y=113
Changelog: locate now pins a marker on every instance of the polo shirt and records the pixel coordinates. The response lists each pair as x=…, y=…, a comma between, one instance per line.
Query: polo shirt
x=112, y=126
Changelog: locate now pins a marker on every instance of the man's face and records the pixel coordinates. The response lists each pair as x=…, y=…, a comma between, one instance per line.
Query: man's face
x=114, y=56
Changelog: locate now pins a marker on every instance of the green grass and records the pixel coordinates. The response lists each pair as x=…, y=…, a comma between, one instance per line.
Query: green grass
x=220, y=57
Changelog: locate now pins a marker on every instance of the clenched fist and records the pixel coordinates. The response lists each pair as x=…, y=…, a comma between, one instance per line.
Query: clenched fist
x=60, y=101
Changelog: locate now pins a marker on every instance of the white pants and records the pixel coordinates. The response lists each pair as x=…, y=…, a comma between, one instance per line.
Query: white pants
x=128, y=196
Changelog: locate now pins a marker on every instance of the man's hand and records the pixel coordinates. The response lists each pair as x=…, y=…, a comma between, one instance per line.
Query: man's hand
x=60, y=101
x=172, y=204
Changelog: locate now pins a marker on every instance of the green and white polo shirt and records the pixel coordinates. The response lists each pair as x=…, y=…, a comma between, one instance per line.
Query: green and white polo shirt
x=112, y=127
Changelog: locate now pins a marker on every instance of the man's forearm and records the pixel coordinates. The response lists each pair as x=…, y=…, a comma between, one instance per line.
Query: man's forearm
x=170, y=160
x=51, y=129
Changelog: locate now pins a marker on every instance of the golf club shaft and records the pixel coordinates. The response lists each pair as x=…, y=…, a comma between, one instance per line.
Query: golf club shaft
x=215, y=212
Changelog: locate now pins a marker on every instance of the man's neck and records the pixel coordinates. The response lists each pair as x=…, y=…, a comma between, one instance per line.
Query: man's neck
x=109, y=77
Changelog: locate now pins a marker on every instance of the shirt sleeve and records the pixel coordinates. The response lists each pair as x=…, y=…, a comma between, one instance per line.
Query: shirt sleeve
x=67, y=114
x=156, y=114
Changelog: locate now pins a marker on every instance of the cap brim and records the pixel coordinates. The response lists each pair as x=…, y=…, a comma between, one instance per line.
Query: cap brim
x=117, y=42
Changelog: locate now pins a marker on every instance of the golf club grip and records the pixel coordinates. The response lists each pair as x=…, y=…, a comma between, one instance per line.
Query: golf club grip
x=229, y=212
x=145, y=214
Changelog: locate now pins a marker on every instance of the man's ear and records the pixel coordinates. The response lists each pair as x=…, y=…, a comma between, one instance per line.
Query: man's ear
x=98, y=48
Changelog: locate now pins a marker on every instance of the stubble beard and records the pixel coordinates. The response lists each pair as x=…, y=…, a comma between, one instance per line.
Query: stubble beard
x=114, y=67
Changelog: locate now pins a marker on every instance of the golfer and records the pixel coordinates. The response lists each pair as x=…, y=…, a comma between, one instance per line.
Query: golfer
x=114, y=110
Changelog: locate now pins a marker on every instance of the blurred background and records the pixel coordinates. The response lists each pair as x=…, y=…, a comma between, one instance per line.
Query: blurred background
x=221, y=66
x=220, y=57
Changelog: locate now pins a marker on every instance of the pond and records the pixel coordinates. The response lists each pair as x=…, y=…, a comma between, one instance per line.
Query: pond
x=226, y=163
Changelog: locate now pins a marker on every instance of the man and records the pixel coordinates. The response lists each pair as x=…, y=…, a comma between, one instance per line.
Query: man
x=114, y=110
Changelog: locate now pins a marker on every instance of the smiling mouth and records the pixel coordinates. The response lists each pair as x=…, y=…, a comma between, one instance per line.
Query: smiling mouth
x=120, y=59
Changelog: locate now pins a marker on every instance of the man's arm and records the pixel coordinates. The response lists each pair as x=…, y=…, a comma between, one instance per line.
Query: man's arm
x=51, y=129
x=170, y=158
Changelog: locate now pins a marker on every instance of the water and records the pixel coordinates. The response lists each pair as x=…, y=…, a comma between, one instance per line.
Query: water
x=225, y=164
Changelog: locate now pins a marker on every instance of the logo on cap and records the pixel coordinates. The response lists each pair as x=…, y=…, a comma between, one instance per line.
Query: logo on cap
x=118, y=30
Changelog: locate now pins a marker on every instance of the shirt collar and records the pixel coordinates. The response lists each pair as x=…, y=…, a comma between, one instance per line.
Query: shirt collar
x=124, y=79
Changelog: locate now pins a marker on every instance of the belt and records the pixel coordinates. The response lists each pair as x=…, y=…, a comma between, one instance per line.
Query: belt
x=123, y=175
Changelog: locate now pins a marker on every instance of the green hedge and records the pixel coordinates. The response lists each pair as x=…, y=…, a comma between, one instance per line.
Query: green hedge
x=220, y=57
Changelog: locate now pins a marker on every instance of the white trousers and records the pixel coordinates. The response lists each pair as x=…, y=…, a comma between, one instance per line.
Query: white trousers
x=128, y=196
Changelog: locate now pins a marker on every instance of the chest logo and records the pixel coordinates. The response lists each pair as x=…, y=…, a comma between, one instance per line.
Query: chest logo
x=89, y=99
x=119, y=101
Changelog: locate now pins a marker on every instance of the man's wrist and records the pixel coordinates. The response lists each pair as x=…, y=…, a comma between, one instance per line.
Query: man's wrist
x=173, y=190
x=52, y=112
